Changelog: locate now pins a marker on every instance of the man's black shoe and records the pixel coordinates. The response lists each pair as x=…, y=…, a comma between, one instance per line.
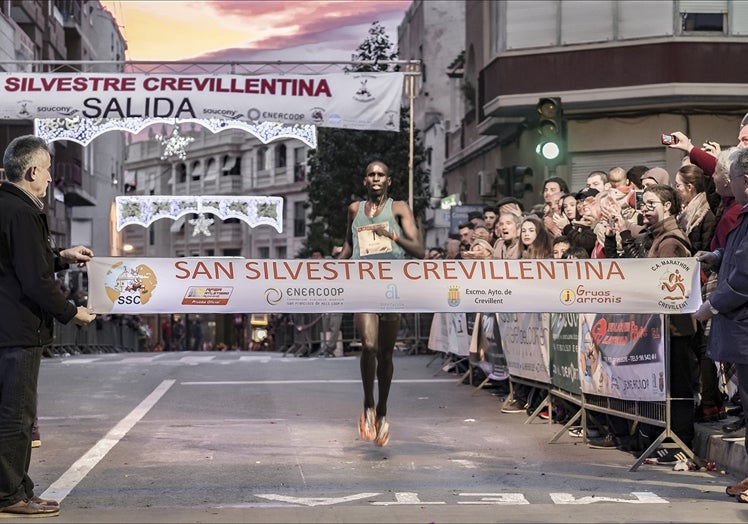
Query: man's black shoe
x=734, y=426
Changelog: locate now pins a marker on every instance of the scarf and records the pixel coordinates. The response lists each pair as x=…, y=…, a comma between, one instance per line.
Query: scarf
x=35, y=199
x=693, y=213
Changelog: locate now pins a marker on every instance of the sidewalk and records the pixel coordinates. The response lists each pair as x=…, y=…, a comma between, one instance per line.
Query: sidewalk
x=727, y=455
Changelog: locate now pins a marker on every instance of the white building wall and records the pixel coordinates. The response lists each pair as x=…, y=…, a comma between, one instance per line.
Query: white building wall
x=531, y=24
x=433, y=32
x=103, y=159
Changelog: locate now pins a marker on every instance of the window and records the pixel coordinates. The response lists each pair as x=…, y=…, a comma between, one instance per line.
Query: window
x=703, y=22
x=280, y=156
x=211, y=170
x=299, y=173
x=699, y=16
x=299, y=155
x=264, y=252
x=231, y=165
x=210, y=252
x=232, y=252
x=196, y=170
x=299, y=219
x=181, y=173
x=262, y=154
x=299, y=164
x=280, y=252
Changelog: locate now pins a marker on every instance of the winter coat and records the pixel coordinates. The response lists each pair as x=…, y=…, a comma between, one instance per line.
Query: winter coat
x=30, y=297
x=728, y=338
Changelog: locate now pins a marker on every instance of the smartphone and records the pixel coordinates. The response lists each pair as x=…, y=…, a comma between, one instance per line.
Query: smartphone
x=668, y=139
x=639, y=198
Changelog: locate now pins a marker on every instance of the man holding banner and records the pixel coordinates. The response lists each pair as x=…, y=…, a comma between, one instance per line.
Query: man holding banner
x=30, y=299
x=379, y=228
x=727, y=305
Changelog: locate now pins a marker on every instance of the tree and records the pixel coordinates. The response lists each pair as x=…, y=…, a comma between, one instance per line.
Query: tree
x=337, y=165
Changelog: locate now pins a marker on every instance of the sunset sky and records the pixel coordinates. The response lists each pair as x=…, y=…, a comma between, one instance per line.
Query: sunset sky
x=251, y=30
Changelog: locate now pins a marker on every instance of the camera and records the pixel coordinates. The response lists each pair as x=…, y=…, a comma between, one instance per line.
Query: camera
x=639, y=198
x=668, y=139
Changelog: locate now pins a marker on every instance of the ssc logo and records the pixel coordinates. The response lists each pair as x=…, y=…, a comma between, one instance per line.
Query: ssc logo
x=567, y=297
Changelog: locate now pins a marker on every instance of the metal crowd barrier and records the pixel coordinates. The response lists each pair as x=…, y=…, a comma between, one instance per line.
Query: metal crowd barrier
x=113, y=335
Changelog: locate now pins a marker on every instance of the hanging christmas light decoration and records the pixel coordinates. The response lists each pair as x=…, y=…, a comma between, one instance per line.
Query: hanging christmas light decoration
x=175, y=145
x=201, y=225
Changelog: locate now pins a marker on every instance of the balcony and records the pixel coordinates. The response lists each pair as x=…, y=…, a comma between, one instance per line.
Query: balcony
x=595, y=79
x=14, y=44
x=229, y=185
x=54, y=37
x=75, y=185
x=72, y=14
x=25, y=12
x=229, y=232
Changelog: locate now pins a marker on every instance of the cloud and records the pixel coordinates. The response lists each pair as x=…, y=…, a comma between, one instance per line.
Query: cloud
x=217, y=30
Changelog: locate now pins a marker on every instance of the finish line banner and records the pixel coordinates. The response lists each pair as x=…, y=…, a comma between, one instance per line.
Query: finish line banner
x=233, y=285
x=344, y=100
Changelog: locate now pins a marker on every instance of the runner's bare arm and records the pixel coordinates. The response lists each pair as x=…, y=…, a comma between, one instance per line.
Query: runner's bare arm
x=348, y=244
x=411, y=240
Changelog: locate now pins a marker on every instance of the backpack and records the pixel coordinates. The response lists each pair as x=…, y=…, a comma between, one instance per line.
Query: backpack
x=682, y=240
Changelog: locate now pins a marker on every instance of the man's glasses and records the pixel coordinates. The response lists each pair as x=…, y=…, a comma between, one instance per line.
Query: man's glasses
x=650, y=206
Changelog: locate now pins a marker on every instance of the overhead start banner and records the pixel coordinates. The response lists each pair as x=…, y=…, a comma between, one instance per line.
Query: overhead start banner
x=235, y=285
x=344, y=100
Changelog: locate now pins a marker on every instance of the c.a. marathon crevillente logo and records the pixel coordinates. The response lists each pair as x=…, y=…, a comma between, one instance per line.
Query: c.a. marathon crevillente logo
x=130, y=284
x=273, y=295
x=673, y=285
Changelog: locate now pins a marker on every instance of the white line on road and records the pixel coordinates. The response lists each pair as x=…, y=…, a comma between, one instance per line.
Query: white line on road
x=285, y=382
x=62, y=487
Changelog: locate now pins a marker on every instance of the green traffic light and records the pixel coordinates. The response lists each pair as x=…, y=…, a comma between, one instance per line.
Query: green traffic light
x=548, y=150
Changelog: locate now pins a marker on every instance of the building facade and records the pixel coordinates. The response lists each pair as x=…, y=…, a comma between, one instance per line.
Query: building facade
x=85, y=178
x=434, y=33
x=625, y=73
x=229, y=163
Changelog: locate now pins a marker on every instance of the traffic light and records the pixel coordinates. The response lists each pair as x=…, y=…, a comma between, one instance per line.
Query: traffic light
x=513, y=180
x=551, y=127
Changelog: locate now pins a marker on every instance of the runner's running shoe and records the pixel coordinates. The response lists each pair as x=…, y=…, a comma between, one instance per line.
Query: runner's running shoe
x=383, y=432
x=367, y=425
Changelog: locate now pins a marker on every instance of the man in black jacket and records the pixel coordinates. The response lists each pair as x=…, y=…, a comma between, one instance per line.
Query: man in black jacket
x=30, y=299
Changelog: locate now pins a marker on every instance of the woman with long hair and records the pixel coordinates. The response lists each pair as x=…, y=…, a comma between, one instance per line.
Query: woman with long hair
x=536, y=241
x=695, y=217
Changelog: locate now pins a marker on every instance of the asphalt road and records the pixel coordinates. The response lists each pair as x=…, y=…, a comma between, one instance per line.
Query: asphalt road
x=256, y=437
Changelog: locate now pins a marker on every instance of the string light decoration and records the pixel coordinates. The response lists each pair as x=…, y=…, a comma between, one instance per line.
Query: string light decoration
x=201, y=225
x=175, y=145
x=145, y=210
x=84, y=130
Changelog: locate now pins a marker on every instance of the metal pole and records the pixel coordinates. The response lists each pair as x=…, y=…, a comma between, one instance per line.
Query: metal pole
x=411, y=138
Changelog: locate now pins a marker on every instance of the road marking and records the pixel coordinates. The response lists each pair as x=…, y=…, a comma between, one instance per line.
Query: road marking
x=62, y=487
x=196, y=360
x=406, y=499
x=81, y=361
x=512, y=499
x=467, y=464
x=284, y=382
x=264, y=360
x=317, y=501
x=138, y=360
x=642, y=497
